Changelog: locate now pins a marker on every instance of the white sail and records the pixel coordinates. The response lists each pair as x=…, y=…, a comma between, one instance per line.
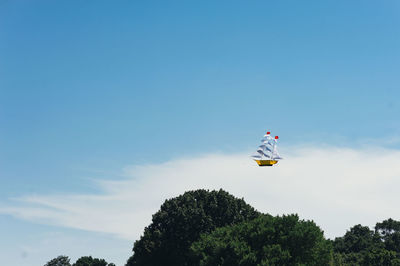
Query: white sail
x=268, y=141
x=265, y=147
x=266, y=138
x=266, y=155
x=275, y=154
x=269, y=148
x=263, y=152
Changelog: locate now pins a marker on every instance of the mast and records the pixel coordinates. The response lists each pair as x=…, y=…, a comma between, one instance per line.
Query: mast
x=275, y=154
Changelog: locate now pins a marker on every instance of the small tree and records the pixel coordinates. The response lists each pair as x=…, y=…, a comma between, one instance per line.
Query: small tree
x=89, y=261
x=59, y=261
x=389, y=230
x=359, y=238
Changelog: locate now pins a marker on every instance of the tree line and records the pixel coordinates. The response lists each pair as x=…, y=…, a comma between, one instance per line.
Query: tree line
x=82, y=261
x=204, y=228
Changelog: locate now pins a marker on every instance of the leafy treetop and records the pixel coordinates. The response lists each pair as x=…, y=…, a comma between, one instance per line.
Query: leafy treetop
x=59, y=261
x=266, y=240
x=181, y=220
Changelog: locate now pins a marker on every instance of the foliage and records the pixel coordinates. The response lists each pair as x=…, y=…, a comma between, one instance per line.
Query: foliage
x=359, y=238
x=89, y=261
x=181, y=220
x=389, y=230
x=59, y=261
x=266, y=240
x=362, y=246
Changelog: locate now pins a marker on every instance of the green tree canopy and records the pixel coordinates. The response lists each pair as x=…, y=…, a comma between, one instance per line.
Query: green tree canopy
x=59, y=261
x=359, y=238
x=266, y=240
x=181, y=220
x=362, y=246
x=89, y=261
x=389, y=230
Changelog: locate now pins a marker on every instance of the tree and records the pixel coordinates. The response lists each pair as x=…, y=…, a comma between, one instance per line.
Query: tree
x=181, y=220
x=59, y=261
x=359, y=238
x=266, y=240
x=389, y=230
x=89, y=261
x=362, y=246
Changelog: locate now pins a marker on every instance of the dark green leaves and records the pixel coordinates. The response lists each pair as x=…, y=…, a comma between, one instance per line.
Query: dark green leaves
x=59, y=261
x=362, y=246
x=83, y=261
x=266, y=240
x=181, y=220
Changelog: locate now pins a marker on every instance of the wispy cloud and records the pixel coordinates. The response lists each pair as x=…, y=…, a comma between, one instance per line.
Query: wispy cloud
x=336, y=187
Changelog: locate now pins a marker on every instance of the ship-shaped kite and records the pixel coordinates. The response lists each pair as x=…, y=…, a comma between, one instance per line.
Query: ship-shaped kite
x=267, y=153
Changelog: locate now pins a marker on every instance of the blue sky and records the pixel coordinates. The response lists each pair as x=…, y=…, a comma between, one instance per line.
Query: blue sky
x=89, y=88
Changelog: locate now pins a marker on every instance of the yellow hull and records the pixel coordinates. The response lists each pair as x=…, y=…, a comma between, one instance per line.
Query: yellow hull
x=266, y=162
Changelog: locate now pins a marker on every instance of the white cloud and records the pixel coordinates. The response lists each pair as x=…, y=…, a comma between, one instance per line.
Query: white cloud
x=336, y=187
